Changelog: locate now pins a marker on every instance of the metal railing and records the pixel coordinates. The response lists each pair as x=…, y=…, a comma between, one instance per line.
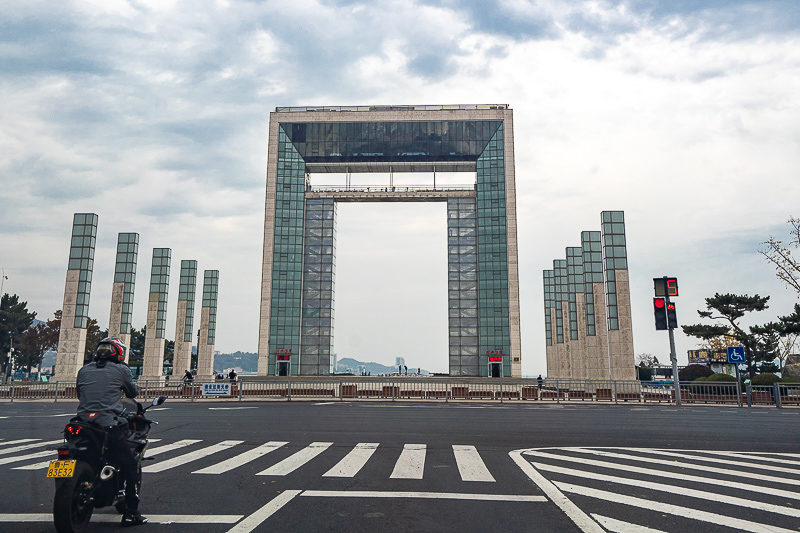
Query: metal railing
x=336, y=388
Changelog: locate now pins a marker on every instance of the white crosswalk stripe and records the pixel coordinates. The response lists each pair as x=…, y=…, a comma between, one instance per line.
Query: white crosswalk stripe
x=6, y=451
x=687, y=485
x=470, y=465
x=45, y=464
x=411, y=463
x=353, y=461
x=293, y=462
x=241, y=459
x=18, y=441
x=191, y=456
x=169, y=447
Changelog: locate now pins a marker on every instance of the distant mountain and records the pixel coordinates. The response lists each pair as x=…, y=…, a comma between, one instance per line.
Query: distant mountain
x=373, y=368
x=247, y=361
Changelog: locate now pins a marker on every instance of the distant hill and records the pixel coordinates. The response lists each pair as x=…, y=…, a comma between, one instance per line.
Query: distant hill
x=247, y=361
x=373, y=368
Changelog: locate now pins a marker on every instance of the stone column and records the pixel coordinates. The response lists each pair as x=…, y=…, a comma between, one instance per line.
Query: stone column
x=208, y=325
x=184, y=325
x=119, y=323
x=153, y=364
x=75, y=310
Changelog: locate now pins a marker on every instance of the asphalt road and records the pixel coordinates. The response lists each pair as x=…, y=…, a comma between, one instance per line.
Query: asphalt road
x=393, y=466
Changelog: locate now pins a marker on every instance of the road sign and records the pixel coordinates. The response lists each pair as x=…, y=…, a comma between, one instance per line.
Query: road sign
x=216, y=389
x=736, y=354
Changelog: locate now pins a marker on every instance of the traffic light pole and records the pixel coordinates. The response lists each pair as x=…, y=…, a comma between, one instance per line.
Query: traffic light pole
x=674, y=358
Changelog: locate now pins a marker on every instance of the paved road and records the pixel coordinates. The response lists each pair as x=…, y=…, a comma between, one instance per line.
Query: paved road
x=363, y=466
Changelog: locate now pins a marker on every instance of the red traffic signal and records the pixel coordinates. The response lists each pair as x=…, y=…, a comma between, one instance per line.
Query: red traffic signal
x=660, y=313
x=672, y=317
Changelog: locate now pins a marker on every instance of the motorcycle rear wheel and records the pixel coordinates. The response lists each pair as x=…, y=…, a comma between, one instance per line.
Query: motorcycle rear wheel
x=71, y=512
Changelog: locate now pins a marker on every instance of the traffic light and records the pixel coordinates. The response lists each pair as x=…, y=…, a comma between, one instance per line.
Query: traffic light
x=660, y=312
x=672, y=317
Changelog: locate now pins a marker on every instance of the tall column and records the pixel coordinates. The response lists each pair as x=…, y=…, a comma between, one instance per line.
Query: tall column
x=153, y=364
x=462, y=284
x=594, y=307
x=621, y=360
x=75, y=310
x=184, y=326
x=549, y=319
x=576, y=345
x=208, y=325
x=119, y=323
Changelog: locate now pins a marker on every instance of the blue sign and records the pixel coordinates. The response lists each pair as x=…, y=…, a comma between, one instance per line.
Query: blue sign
x=216, y=389
x=736, y=354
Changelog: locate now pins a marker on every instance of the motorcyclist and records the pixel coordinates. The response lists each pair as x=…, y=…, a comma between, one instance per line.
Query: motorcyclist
x=98, y=385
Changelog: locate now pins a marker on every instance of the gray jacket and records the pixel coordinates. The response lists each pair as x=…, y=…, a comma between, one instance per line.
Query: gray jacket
x=99, y=387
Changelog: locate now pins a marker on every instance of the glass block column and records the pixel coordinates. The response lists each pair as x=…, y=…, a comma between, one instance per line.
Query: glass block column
x=561, y=369
x=75, y=309
x=319, y=260
x=576, y=344
x=462, y=281
x=119, y=323
x=618, y=296
x=549, y=316
x=208, y=325
x=596, y=332
x=153, y=360
x=184, y=325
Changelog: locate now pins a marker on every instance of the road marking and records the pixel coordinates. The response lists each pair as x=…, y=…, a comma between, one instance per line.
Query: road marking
x=470, y=465
x=232, y=408
x=715, y=460
x=17, y=458
x=29, y=446
x=255, y=519
x=673, y=489
x=114, y=518
x=423, y=495
x=191, y=456
x=745, y=455
x=293, y=462
x=326, y=403
x=45, y=464
x=686, y=512
x=169, y=447
x=669, y=475
x=241, y=459
x=353, y=461
x=411, y=463
x=618, y=526
x=678, y=464
x=18, y=441
x=581, y=519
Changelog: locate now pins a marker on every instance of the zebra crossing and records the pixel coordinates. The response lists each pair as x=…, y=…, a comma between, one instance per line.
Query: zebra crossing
x=410, y=464
x=668, y=490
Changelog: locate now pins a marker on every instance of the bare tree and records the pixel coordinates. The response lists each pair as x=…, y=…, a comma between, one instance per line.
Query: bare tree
x=786, y=266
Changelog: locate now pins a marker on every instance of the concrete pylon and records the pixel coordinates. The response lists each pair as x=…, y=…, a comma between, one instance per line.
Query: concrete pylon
x=153, y=363
x=208, y=325
x=75, y=310
x=119, y=323
x=184, y=325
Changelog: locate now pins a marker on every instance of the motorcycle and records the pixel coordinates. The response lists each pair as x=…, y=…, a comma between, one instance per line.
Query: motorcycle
x=85, y=479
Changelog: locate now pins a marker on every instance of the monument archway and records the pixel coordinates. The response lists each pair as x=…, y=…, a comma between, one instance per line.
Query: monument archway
x=298, y=269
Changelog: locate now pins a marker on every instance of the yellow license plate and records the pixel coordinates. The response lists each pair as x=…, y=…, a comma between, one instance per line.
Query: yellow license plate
x=61, y=469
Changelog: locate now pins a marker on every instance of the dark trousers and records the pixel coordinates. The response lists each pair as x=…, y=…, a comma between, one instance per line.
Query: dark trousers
x=121, y=455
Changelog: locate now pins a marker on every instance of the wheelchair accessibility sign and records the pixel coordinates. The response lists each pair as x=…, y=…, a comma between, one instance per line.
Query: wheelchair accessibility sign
x=216, y=389
x=736, y=354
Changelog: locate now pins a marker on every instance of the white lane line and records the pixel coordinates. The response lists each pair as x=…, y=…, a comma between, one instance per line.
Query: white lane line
x=581, y=519
x=18, y=441
x=241, y=459
x=169, y=447
x=191, y=456
x=353, y=461
x=255, y=519
x=678, y=464
x=232, y=408
x=29, y=446
x=424, y=495
x=411, y=463
x=685, y=512
x=716, y=460
x=673, y=489
x=45, y=464
x=62, y=414
x=114, y=518
x=669, y=475
x=470, y=465
x=17, y=458
x=618, y=526
x=295, y=461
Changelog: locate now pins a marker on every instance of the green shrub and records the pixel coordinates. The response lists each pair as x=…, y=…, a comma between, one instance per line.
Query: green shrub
x=767, y=378
x=692, y=372
x=701, y=378
x=787, y=379
x=722, y=377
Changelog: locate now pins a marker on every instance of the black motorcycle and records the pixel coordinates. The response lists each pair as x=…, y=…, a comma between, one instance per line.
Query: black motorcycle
x=85, y=480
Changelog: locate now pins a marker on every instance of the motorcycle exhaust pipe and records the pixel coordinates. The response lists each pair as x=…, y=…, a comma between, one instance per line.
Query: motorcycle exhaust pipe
x=107, y=472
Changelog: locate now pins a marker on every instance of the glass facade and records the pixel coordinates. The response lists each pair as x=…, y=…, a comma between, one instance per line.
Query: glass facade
x=560, y=280
x=159, y=286
x=592, y=273
x=81, y=258
x=186, y=292
x=549, y=303
x=319, y=259
x=615, y=257
x=210, y=293
x=462, y=285
x=574, y=286
x=125, y=272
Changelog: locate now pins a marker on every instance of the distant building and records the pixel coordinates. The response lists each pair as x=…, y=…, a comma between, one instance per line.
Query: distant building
x=399, y=361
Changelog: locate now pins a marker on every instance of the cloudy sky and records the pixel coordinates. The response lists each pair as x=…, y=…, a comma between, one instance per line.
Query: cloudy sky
x=154, y=113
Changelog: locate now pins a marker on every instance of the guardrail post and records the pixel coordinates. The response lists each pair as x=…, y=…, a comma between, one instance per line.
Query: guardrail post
x=55, y=397
x=739, y=392
x=749, y=389
x=192, y=393
x=289, y=390
x=501, y=389
x=241, y=384
x=341, y=393
x=778, y=403
x=446, y=391
x=615, y=392
x=11, y=386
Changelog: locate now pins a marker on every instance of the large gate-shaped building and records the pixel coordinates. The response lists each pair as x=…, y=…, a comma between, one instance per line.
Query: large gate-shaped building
x=298, y=271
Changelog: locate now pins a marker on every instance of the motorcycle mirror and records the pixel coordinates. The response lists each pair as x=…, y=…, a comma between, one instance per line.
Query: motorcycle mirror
x=159, y=400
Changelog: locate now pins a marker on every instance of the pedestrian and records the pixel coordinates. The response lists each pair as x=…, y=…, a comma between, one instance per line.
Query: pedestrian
x=188, y=377
x=232, y=375
x=539, y=380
